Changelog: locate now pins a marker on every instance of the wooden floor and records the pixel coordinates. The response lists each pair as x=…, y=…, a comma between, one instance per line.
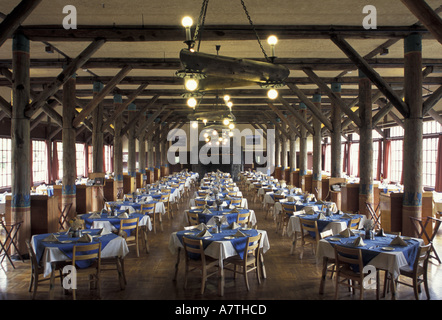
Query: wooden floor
x=150, y=276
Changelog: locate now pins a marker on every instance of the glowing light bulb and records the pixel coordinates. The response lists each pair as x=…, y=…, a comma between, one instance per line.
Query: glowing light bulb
x=191, y=84
x=226, y=98
x=272, y=94
x=231, y=134
x=231, y=126
x=226, y=122
x=272, y=40
x=230, y=104
x=191, y=102
x=187, y=22
x=194, y=124
x=204, y=121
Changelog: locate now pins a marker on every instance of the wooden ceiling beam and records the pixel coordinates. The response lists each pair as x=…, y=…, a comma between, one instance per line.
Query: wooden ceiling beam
x=431, y=100
x=143, y=126
x=139, y=114
x=15, y=18
x=293, y=129
x=87, y=110
x=212, y=32
x=369, y=71
x=429, y=18
x=64, y=76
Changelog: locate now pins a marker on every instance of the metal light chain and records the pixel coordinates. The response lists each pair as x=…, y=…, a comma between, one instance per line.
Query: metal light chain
x=253, y=27
x=201, y=21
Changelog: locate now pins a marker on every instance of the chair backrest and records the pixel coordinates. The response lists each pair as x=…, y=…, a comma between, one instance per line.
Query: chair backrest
x=349, y=256
x=202, y=193
x=353, y=224
x=252, y=245
x=165, y=190
x=87, y=252
x=129, y=197
x=232, y=193
x=278, y=197
x=147, y=208
x=288, y=208
x=32, y=255
x=268, y=190
x=193, y=218
x=243, y=218
x=194, y=249
x=311, y=226
x=129, y=224
x=165, y=197
x=422, y=258
x=200, y=202
x=235, y=202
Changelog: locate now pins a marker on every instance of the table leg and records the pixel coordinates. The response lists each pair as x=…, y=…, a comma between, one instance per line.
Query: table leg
x=52, y=282
x=222, y=279
x=393, y=287
x=263, y=267
x=324, y=275
x=295, y=236
x=177, y=264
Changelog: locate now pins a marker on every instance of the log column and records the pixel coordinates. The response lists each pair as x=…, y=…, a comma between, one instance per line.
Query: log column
x=97, y=132
x=277, y=147
x=317, y=151
x=365, y=144
x=118, y=150
x=284, y=162
x=303, y=148
x=142, y=156
x=150, y=160
x=336, y=157
x=412, y=163
x=131, y=159
x=69, y=189
x=21, y=140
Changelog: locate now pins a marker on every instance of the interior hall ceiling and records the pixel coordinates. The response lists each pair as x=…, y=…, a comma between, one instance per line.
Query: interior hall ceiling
x=148, y=36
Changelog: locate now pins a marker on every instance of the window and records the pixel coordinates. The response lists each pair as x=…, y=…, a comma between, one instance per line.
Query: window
x=60, y=159
x=90, y=159
x=429, y=155
x=39, y=162
x=80, y=159
x=5, y=164
x=396, y=161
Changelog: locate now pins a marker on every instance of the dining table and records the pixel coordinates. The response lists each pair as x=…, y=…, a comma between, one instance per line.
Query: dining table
x=51, y=248
x=136, y=206
x=111, y=223
x=225, y=201
x=383, y=252
x=209, y=217
x=227, y=243
x=335, y=222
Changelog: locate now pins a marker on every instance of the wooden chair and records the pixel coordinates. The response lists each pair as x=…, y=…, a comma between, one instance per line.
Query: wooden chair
x=129, y=231
x=165, y=199
x=202, y=193
x=417, y=272
x=309, y=227
x=236, y=202
x=200, y=203
x=149, y=209
x=353, y=224
x=193, y=218
x=195, y=259
x=37, y=271
x=232, y=193
x=250, y=261
x=284, y=217
x=346, y=259
x=243, y=219
x=88, y=252
x=129, y=197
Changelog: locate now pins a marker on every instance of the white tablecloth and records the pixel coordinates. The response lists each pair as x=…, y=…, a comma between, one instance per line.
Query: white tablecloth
x=117, y=247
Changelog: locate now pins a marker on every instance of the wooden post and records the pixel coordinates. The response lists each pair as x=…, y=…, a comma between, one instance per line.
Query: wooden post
x=277, y=147
x=97, y=132
x=97, y=149
x=150, y=160
x=303, y=148
x=118, y=150
x=365, y=144
x=284, y=162
x=131, y=160
x=317, y=151
x=69, y=189
x=21, y=140
x=412, y=163
x=142, y=157
x=336, y=158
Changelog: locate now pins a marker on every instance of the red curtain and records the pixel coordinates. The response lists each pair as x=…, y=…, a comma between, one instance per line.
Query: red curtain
x=379, y=168
x=438, y=186
x=387, y=158
x=344, y=158
x=55, y=164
